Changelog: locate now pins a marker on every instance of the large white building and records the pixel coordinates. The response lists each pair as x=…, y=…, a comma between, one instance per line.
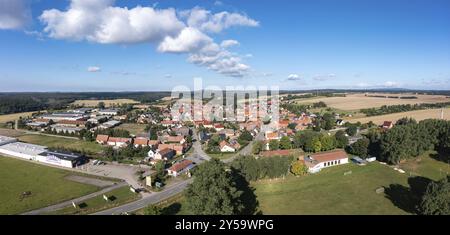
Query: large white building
x=39, y=153
x=318, y=161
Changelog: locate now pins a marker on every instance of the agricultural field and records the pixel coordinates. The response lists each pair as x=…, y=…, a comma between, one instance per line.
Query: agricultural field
x=14, y=116
x=54, y=142
x=116, y=197
x=417, y=114
x=108, y=103
x=355, y=102
x=133, y=128
x=46, y=186
x=332, y=192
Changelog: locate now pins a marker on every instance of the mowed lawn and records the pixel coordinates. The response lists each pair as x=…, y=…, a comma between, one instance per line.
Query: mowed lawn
x=116, y=197
x=332, y=192
x=46, y=184
x=50, y=141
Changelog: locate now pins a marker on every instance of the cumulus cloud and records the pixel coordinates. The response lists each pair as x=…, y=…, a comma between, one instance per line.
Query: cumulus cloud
x=229, y=43
x=293, y=77
x=94, y=69
x=100, y=22
x=14, y=14
x=173, y=32
x=324, y=77
x=215, y=23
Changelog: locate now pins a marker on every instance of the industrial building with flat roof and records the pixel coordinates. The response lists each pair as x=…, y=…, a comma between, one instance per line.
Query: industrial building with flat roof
x=10, y=146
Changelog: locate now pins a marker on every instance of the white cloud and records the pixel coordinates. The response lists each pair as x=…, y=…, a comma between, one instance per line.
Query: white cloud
x=189, y=40
x=94, y=69
x=218, y=3
x=390, y=84
x=229, y=43
x=293, y=77
x=206, y=21
x=14, y=14
x=324, y=77
x=168, y=76
x=101, y=22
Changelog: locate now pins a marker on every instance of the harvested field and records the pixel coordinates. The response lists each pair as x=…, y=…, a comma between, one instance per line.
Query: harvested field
x=418, y=115
x=14, y=116
x=108, y=103
x=360, y=101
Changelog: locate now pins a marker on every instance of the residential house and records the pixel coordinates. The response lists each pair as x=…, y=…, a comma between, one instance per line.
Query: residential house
x=272, y=135
x=175, y=139
x=178, y=148
x=164, y=154
x=102, y=139
x=180, y=168
x=226, y=147
x=109, y=112
x=387, y=125
x=119, y=142
x=142, y=142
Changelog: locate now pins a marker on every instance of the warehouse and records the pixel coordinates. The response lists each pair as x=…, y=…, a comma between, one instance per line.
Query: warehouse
x=6, y=140
x=39, y=153
x=22, y=150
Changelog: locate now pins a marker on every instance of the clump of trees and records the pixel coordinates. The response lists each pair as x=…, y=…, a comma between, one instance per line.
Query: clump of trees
x=299, y=168
x=215, y=191
x=360, y=148
x=262, y=168
x=113, y=132
x=410, y=140
x=311, y=141
x=436, y=200
x=127, y=153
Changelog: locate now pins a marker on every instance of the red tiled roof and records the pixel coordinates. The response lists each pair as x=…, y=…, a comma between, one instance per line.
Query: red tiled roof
x=180, y=166
x=177, y=138
x=329, y=156
x=119, y=140
x=141, y=141
x=153, y=142
x=102, y=138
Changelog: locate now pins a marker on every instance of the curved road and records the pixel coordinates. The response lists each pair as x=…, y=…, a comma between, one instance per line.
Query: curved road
x=147, y=200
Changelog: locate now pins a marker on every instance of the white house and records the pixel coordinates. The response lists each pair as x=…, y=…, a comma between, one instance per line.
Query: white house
x=318, y=161
x=180, y=168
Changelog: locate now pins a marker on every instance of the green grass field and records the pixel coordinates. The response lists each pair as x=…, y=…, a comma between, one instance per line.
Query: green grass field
x=50, y=141
x=332, y=192
x=46, y=184
x=117, y=197
x=133, y=128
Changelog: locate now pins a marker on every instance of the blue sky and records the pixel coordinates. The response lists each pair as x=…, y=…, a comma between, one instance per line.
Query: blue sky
x=292, y=44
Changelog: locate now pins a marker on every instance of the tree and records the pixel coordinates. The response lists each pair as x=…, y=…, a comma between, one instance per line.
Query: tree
x=298, y=168
x=352, y=130
x=360, y=148
x=285, y=143
x=328, y=121
x=328, y=142
x=257, y=147
x=316, y=145
x=153, y=210
x=274, y=145
x=246, y=136
x=436, y=200
x=101, y=105
x=341, y=139
x=292, y=125
x=213, y=191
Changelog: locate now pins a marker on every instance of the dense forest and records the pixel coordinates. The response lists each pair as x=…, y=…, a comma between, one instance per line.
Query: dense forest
x=26, y=102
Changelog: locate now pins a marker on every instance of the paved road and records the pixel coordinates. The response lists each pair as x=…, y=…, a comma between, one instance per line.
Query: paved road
x=77, y=200
x=247, y=150
x=148, y=199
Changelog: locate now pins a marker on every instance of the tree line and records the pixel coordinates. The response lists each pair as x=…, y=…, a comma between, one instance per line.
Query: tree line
x=401, y=108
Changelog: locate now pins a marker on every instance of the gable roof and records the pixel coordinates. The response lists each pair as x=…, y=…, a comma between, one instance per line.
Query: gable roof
x=102, y=138
x=180, y=166
x=141, y=141
x=329, y=156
